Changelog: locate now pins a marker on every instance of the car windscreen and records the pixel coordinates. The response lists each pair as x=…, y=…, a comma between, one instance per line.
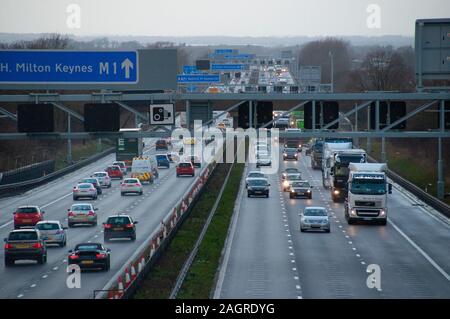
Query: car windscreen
x=131, y=181
x=315, y=212
x=100, y=174
x=300, y=184
x=47, y=226
x=89, y=180
x=258, y=182
x=118, y=220
x=27, y=210
x=253, y=175
x=293, y=177
x=29, y=235
x=81, y=207
x=161, y=157
x=290, y=150
x=88, y=247
x=84, y=185
x=291, y=170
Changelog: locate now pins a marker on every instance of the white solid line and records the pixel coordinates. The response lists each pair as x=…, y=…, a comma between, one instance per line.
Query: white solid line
x=33, y=285
x=420, y=250
x=44, y=277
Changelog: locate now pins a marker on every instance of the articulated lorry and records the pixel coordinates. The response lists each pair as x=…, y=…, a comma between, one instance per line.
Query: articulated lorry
x=128, y=148
x=339, y=171
x=329, y=150
x=367, y=193
x=316, y=154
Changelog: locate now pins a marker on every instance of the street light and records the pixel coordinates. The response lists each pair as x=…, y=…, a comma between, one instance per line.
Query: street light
x=331, y=55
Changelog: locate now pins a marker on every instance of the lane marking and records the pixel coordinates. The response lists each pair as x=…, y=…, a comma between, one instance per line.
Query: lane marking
x=420, y=250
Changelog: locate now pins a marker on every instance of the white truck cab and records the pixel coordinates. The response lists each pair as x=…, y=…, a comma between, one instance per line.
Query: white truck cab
x=367, y=193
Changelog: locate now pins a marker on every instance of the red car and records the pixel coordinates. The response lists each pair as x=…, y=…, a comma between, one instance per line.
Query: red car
x=27, y=216
x=185, y=168
x=114, y=171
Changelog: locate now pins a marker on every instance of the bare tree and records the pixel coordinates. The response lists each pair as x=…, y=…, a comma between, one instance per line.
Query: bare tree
x=317, y=53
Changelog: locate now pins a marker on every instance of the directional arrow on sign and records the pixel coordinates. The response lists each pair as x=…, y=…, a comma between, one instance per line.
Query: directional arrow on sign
x=127, y=65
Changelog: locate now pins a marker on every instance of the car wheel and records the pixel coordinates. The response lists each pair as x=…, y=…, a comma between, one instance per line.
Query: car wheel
x=105, y=238
x=42, y=260
x=302, y=230
x=133, y=238
x=290, y=196
x=74, y=198
x=141, y=193
x=383, y=222
x=327, y=230
x=94, y=224
x=107, y=266
x=121, y=194
x=70, y=225
x=178, y=175
x=350, y=221
x=109, y=186
x=310, y=196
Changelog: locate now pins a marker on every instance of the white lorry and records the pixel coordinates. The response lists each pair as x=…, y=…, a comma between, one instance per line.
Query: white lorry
x=339, y=171
x=329, y=149
x=367, y=193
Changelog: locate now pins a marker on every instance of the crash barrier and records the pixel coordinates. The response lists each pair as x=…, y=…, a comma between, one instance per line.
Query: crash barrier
x=427, y=198
x=20, y=187
x=127, y=280
x=27, y=173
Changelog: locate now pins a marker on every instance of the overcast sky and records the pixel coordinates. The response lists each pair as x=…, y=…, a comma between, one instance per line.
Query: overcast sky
x=224, y=17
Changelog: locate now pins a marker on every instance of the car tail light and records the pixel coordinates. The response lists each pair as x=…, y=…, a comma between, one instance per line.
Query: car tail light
x=100, y=256
x=75, y=189
x=60, y=232
x=73, y=257
x=129, y=226
x=137, y=184
x=71, y=214
x=92, y=189
x=8, y=246
x=91, y=213
x=107, y=226
x=37, y=246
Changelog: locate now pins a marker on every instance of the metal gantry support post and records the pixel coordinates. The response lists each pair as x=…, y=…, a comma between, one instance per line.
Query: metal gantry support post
x=313, y=109
x=440, y=182
x=188, y=114
x=369, y=141
x=250, y=114
x=69, y=139
x=356, y=124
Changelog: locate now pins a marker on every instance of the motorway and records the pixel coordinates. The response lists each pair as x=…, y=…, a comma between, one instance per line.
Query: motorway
x=268, y=257
x=29, y=280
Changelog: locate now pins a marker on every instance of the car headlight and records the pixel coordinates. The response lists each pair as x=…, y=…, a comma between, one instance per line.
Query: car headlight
x=382, y=212
x=300, y=145
x=336, y=192
x=292, y=191
x=284, y=154
x=353, y=212
x=285, y=183
x=308, y=191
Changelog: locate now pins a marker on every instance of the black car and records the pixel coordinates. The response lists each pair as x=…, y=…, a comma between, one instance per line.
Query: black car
x=300, y=189
x=94, y=182
x=119, y=226
x=290, y=153
x=258, y=187
x=25, y=244
x=161, y=145
x=90, y=256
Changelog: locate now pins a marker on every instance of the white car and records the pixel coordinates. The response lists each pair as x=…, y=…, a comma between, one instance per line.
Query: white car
x=315, y=218
x=103, y=178
x=84, y=190
x=131, y=185
x=52, y=232
x=82, y=214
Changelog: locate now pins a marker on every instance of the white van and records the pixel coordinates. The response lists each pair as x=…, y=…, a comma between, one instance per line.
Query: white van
x=144, y=168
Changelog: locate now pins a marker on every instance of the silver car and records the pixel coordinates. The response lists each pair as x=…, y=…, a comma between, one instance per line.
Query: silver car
x=288, y=181
x=82, y=214
x=315, y=218
x=84, y=190
x=52, y=232
x=131, y=185
x=103, y=178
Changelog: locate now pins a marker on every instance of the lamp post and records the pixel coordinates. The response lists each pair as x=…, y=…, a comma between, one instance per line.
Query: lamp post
x=331, y=55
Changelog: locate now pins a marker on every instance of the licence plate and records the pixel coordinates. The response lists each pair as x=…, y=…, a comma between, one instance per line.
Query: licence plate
x=26, y=220
x=258, y=192
x=22, y=246
x=367, y=218
x=118, y=228
x=87, y=262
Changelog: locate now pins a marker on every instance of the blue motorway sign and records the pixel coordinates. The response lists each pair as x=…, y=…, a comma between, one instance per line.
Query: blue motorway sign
x=198, y=78
x=67, y=67
x=227, y=67
x=239, y=56
x=223, y=51
x=189, y=69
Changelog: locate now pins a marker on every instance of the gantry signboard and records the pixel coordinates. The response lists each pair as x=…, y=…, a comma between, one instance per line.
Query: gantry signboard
x=432, y=45
x=100, y=69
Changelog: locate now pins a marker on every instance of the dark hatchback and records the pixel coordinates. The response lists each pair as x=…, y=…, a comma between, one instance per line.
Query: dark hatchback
x=161, y=145
x=162, y=160
x=25, y=244
x=290, y=153
x=119, y=226
x=90, y=256
x=258, y=187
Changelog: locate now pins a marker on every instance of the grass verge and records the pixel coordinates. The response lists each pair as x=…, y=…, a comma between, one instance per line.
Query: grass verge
x=161, y=279
x=200, y=278
x=79, y=152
